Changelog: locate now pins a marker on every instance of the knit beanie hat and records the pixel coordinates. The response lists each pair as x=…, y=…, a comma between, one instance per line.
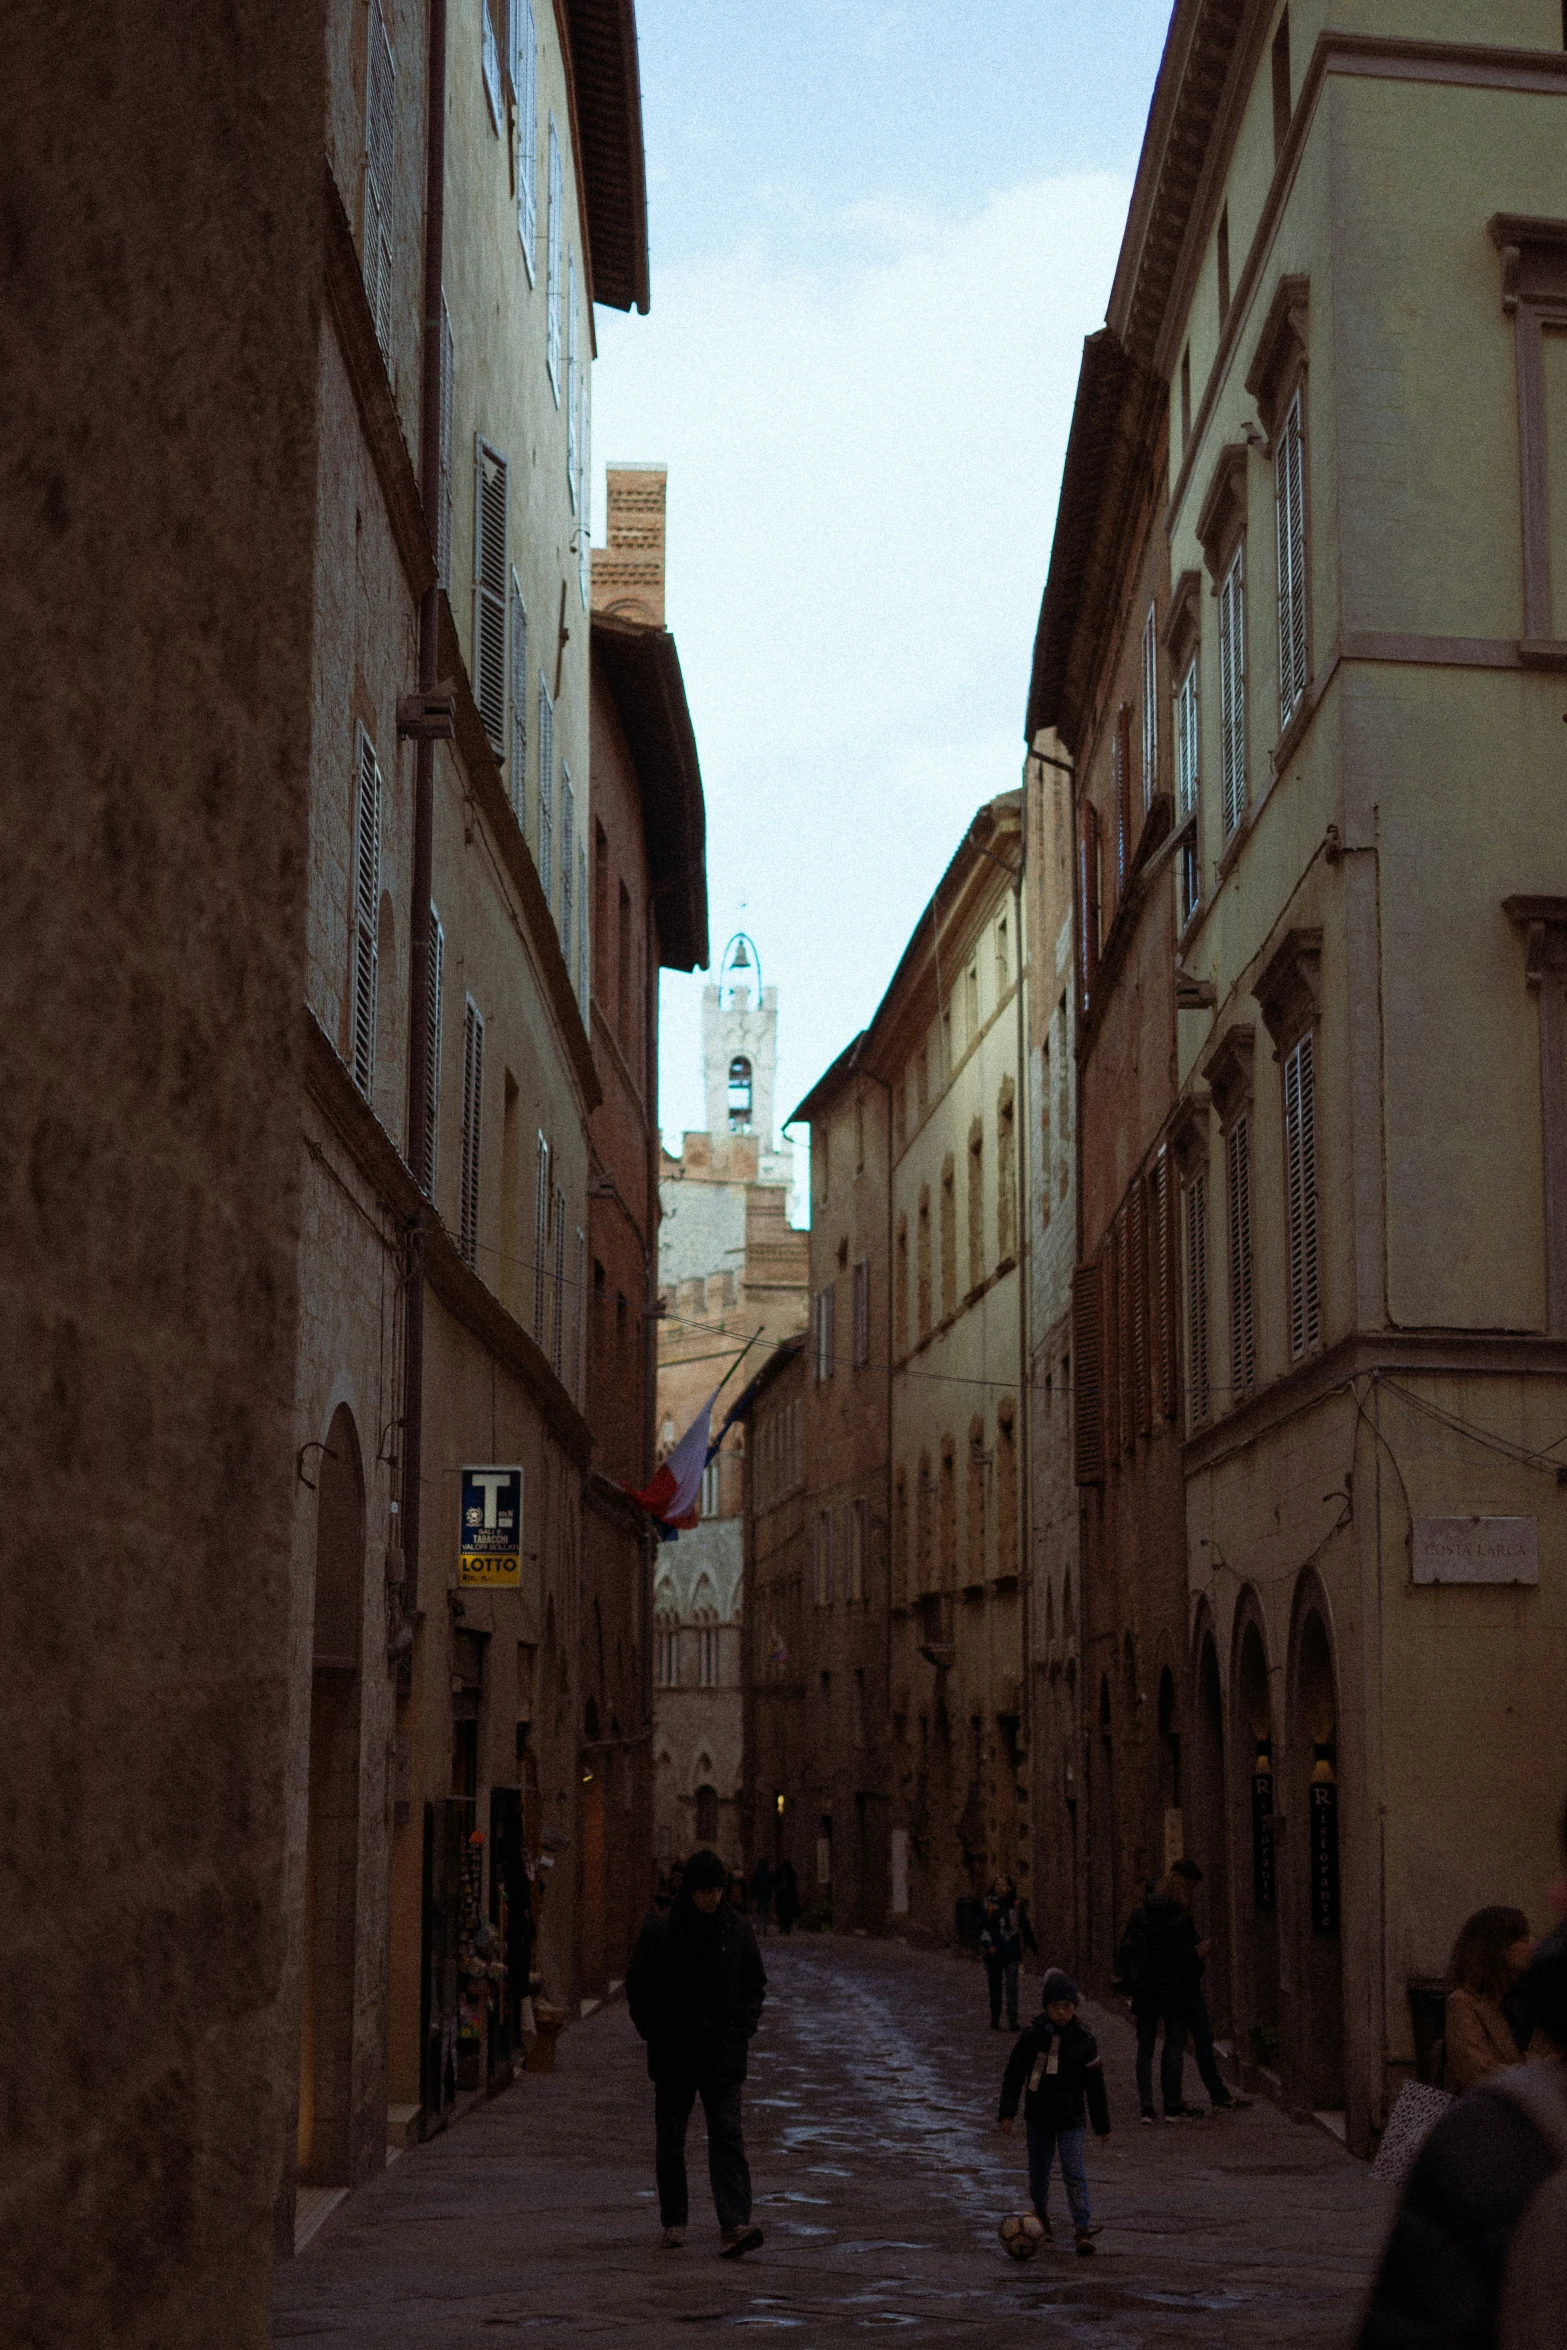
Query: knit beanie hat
x=1060, y=1986
x=703, y=1870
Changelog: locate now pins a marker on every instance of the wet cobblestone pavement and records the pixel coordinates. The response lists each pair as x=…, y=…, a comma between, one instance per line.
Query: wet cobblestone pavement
x=879, y=2178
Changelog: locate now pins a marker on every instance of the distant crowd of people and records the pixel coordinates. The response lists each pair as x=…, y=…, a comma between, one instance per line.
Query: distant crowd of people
x=771, y=1893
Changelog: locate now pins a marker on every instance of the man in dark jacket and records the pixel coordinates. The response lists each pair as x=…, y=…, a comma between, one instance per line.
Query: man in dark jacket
x=1158, y=1964
x=1440, y=2284
x=1001, y=1947
x=695, y=1989
x=1056, y=2070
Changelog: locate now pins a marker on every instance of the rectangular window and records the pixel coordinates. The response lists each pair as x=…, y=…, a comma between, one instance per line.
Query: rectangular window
x=525, y=81
x=443, y=511
x=435, y=970
x=558, y=1269
x=1300, y=1178
x=546, y=791
x=472, y=1129
x=490, y=581
x=519, y=705
x=1088, y=1381
x=491, y=55
x=1121, y=786
x=1290, y=510
x=862, y=1312
x=367, y=911
x=1188, y=778
x=552, y=235
x=572, y=483
x=568, y=860
x=380, y=164
x=707, y=1656
x=1150, y=707
x=710, y=1484
x=541, y=1236
x=823, y=1306
x=1088, y=898
x=858, y=1520
x=1243, y=1341
x=669, y=1660
x=1232, y=689
x=1197, y=1385
x=822, y=1557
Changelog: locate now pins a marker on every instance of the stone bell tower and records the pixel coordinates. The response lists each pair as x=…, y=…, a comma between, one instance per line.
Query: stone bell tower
x=740, y=1058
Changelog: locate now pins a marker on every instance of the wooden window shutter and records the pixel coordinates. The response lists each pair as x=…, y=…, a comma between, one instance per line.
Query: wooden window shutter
x=1125, y=1333
x=568, y=860
x=1121, y=779
x=1232, y=690
x=546, y=790
x=443, y=512
x=491, y=56
x=558, y=1318
x=1300, y=1159
x=435, y=973
x=1290, y=513
x=472, y=1130
x=491, y=574
x=367, y=911
x=380, y=169
x=1150, y=706
x=1087, y=1376
x=1167, y=1248
x=541, y=1235
x=1142, y=1316
x=572, y=483
x=519, y=705
x=1197, y=1382
x=552, y=266
x=1243, y=1341
x=525, y=80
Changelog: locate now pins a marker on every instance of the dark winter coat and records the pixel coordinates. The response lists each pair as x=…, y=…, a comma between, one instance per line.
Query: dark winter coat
x=695, y=1988
x=1171, y=1969
x=1000, y=1932
x=1078, y=2079
x=1441, y=2277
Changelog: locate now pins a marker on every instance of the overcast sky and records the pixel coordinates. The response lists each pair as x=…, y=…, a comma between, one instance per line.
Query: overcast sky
x=879, y=234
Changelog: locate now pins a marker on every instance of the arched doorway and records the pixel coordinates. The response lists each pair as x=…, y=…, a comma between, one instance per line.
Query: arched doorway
x=326, y=2034
x=1257, y=1893
x=1206, y=1837
x=1317, y=2055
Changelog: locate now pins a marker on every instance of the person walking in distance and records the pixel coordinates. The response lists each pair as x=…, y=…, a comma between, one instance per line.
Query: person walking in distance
x=762, y=1892
x=1001, y=1945
x=1056, y=2070
x=695, y=1989
x=1199, y=2024
x=1158, y=1965
x=786, y=1897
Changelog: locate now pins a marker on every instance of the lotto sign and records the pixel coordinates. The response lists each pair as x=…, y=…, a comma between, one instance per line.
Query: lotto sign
x=491, y=1541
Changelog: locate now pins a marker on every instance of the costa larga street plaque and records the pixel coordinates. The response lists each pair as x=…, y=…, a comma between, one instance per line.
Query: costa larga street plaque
x=1477, y=1550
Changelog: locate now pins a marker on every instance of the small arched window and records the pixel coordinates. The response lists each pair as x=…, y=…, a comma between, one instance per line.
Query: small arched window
x=739, y=1094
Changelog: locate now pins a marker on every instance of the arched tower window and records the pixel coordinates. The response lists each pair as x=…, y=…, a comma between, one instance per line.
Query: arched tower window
x=739, y=1095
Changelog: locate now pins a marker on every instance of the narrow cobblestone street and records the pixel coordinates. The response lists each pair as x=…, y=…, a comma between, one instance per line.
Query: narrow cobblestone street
x=879, y=2178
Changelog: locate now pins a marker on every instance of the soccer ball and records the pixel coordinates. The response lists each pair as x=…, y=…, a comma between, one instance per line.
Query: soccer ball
x=1021, y=2234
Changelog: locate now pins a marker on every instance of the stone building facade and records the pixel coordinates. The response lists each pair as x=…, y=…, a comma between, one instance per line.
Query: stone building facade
x=649, y=900
x=1368, y=1311
x=732, y=1277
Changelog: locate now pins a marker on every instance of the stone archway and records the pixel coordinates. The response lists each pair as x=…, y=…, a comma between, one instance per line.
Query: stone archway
x=1253, y=1785
x=326, y=2034
x=1316, y=2052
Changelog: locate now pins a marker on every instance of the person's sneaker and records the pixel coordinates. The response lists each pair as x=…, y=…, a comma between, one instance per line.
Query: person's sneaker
x=1184, y=2113
x=738, y=2240
x=1148, y=2115
x=1085, y=2242
x=1234, y=2103
x=673, y=2239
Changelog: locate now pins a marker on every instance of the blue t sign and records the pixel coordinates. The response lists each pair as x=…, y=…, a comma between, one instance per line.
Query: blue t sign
x=490, y=1543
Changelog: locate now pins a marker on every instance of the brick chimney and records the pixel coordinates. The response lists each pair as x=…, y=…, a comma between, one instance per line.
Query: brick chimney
x=628, y=570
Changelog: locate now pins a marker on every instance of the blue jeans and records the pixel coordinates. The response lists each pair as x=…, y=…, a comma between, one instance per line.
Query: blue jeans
x=727, y=2170
x=1002, y=1969
x=1044, y=2144
x=1173, y=2018
x=1202, y=2050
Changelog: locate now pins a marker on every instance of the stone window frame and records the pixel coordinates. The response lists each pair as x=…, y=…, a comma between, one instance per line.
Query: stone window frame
x=1222, y=530
x=1288, y=992
x=1183, y=646
x=1227, y=1069
x=1191, y=1152
x=1280, y=367
x=1534, y=295
x=1543, y=922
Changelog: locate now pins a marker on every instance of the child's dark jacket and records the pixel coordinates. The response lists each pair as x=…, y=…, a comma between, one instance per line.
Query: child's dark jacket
x=1077, y=2078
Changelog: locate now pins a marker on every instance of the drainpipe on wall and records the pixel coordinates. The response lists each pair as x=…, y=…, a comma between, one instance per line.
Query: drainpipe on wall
x=424, y=812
